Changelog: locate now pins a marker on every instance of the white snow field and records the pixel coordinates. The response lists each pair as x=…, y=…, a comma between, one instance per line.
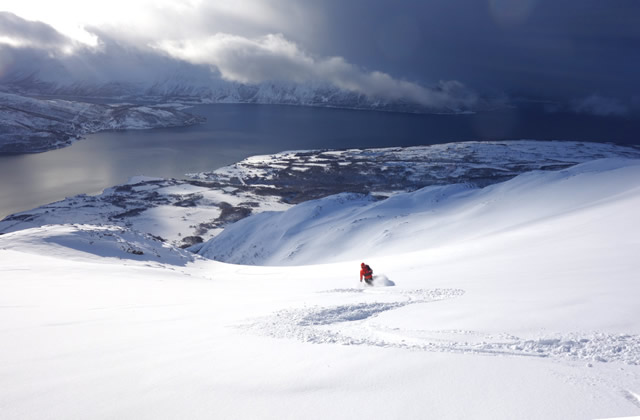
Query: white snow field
x=515, y=301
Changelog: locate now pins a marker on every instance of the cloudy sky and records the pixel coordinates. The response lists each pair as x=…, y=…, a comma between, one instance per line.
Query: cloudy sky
x=582, y=54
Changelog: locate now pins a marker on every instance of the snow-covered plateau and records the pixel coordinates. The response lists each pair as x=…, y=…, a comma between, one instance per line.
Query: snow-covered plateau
x=29, y=125
x=506, y=288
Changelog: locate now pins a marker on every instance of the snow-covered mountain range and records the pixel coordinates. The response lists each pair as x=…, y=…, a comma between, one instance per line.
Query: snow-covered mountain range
x=216, y=90
x=506, y=287
x=34, y=125
x=30, y=124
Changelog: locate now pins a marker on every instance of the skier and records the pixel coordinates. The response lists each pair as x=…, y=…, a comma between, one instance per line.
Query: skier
x=367, y=273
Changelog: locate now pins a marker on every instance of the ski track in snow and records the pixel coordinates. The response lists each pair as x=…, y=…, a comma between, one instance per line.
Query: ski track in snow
x=355, y=324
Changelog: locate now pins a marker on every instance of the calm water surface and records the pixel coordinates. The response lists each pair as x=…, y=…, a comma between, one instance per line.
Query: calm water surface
x=233, y=132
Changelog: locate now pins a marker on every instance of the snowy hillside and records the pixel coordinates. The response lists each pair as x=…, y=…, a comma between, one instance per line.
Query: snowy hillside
x=34, y=125
x=349, y=226
x=188, y=212
x=513, y=301
x=86, y=242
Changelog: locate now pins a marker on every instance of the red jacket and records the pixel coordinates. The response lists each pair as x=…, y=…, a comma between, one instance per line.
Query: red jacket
x=366, y=272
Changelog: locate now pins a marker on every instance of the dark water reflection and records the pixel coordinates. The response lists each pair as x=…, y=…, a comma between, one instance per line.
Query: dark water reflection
x=233, y=132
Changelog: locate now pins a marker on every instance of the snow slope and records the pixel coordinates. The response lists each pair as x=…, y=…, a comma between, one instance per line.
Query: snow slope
x=349, y=226
x=524, y=307
x=85, y=242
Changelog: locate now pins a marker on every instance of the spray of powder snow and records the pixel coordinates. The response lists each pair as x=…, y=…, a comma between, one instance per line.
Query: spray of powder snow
x=380, y=280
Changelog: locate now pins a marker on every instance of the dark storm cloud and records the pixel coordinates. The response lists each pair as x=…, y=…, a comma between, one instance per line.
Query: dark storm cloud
x=233, y=57
x=273, y=57
x=597, y=105
x=556, y=49
x=111, y=61
x=19, y=32
x=582, y=54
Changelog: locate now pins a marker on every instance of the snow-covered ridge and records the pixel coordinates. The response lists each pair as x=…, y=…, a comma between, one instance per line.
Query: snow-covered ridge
x=34, y=125
x=189, y=212
x=349, y=226
x=209, y=90
x=90, y=242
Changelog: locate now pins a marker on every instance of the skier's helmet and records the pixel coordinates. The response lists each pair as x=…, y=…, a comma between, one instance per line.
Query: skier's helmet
x=362, y=265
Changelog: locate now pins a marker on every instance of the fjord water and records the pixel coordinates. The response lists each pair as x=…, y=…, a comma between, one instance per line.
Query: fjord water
x=233, y=132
